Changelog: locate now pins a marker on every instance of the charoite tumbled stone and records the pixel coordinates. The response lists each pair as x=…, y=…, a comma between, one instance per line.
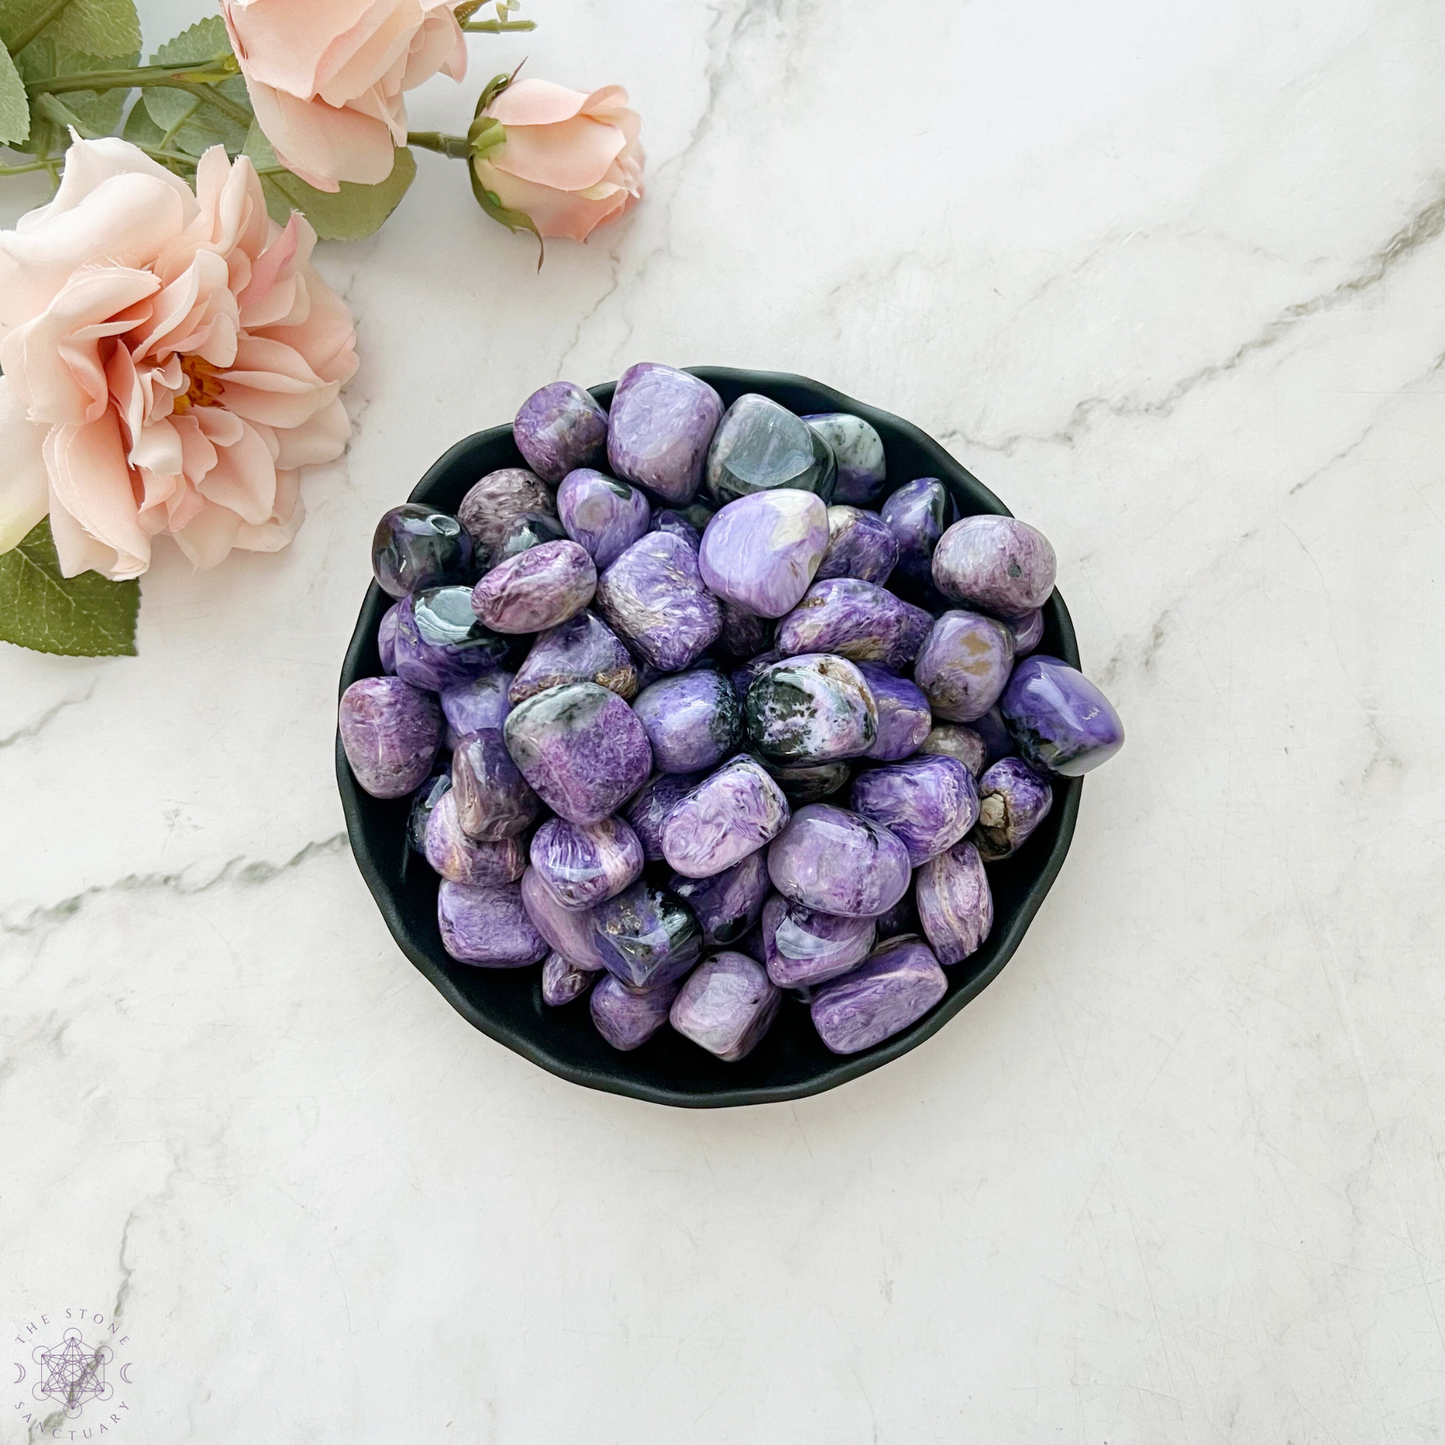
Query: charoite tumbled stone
x=440, y=642
x=760, y=552
x=423, y=804
x=558, y=428
x=900, y=983
x=860, y=544
x=835, y=861
x=1013, y=801
x=493, y=800
x=954, y=902
x=953, y=740
x=1059, y=719
x=1028, y=631
x=994, y=731
x=521, y=534
x=927, y=803
x=386, y=638
x=692, y=719
x=658, y=432
x=743, y=677
x=571, y=931
x=744, y=634
x=585, y=864
x=647, y=811
x=537, y=589
x=665, y=519
x=494, y=502
x=918, y=514
x=963, y=665
x=391, y=732
x=727, y=816
x=628, y=1017
x=856, y=620
x=581, y=748
x=904, y=718
x=481, y=702
x=999, y=564
x=487, y=925
x=582, y=649
x=807, y=782
x=416, y=547
x=803, y=947
x=814, y=708
x=647, y=935
x=901, y=918
x=561, y=982
x=726, y=1006
x=601, y=514
x=654, y=598
x=858, y=450
x=759, y=446
x=468, y=860
x=729, y=903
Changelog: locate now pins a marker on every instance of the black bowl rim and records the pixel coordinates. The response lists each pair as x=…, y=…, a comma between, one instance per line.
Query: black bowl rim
x=845, y=1067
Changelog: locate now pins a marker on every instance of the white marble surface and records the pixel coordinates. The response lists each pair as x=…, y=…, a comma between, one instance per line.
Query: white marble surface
x=1170, y=279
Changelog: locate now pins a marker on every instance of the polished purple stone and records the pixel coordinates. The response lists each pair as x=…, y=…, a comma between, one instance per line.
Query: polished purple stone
x=561, y=982
x=666, y=519
x=803, y=947
x=628, y=1017
x=423, y=804
x=496, y=501
x=814, y=708
x=692, y=719
x=807, y=782
x=726, y=1006
x=386, y=638
x=857, y=620
x=416, y=547
x=480, y=703
x=927, y=803
x=904, y=719
x=898, y=985
x=760, y=552
x=571, y=931
x=760, y=446
x=744, y=676
x=901, y=918
x=648, y=809
x=1013, y=801
x=724, y=818
x=536, y=589
x=602, y=514
x=1028, y=631
x=744, y=634
x=727, y=904
x=858, y=450
x=492, y=798
x=440, y=642
x=391, y=732
x=582, y=649
x=953, y=740
x=586, y=863
x=1000, y=564
x=661, y=424
x=654, y=598
x=918, y=514
x=860, y=544
x=581, y=747
x=1059, y=719
x=963, y=665
x=954, y=902
x=837, y=862
x=647, y=935
x=994, y=731
x=521, y=534
x=559, y=427
x=487, y=925
x=468, y=860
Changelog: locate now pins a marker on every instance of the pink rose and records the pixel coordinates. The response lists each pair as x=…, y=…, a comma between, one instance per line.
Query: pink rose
x=570, y=161
x=171, y=360
x=326, y=77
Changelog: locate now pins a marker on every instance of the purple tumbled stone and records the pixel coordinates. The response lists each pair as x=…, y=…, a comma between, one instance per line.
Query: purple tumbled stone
x=692, y=719
x=802, y=946
x=904, y=719
x=628, y=1017
x=440, y=642
x=1028, y=631
x=665, y=519
x=726, y=1006
x=954, y=902
x=386, y=638
x=497, y=500
x=860, y=544
x=963, y=665
x=493, y=799
x=918, y=514
x=571, y=931
x=994, y=731
x=858, y=450
x=582, y=649
x=744, y=676
x=423, y=804
x=760, y=446
x=661, y=424
x=602, y=514
x=480, y=703
x=1059, y=719
x=648, y=809
x=898, y=985
x=469, y=860
x=586, y=863
x=837, y=862
x=1012, y=801
x=814, y=708
x=560, y=427
x=654, y=599
x=744, y=634
x=727, y=904
x=521, y=534
x=561, y=982
x=487, y=925
x=953, y=740
x=728, y=815
x=1000, y=564
x=927, y=803
x=856, y=620
x=760, y=552
x=536, y=589
x=901, y=918
x=391, y=732
x=416, y=547
x=647, y=935
x=807, y=782
x=581, y=747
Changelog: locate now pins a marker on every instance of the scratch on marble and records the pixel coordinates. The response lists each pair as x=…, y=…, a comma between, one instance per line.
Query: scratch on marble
x=1114, y=667
x=122, y=1293
x=34, y=729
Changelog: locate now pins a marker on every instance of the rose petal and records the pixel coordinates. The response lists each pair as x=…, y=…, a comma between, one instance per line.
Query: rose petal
x=91, y=484
x=536, y=102
x=24, y=484
x=569, y=156
x=321, y=143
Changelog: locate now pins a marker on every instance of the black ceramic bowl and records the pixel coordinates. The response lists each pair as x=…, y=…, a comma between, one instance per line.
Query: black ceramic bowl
x=507, y=1003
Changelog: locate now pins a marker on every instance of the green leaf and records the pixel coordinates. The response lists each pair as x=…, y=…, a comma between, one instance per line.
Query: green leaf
x=84, y=616
x=84, y=27
x=97, y=111
x=197, y=125
x=14, y=110
x=350, y=214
